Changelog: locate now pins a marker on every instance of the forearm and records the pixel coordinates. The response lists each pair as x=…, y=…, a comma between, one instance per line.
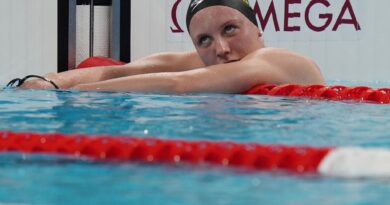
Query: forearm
x=160, y=62
x=71, y=78
x=193, y=81
x=157, y=63
x=156, y=83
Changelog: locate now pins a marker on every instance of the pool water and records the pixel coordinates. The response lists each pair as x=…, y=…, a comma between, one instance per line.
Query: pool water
x=42, y=179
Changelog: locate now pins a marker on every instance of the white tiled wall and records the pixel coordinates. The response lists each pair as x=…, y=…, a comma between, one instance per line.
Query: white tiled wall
x=28, y=38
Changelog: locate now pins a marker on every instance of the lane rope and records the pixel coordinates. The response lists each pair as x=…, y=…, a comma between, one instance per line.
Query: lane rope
x=326, y=161
x=321, y=92
x=301, y=159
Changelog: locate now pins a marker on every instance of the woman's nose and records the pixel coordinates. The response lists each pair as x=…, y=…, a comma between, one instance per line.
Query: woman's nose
x=222, y=48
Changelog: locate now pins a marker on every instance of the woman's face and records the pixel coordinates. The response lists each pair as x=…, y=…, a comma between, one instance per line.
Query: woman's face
x=223, y=35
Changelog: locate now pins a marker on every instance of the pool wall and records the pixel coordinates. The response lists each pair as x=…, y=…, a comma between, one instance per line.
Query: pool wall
x=28, y=38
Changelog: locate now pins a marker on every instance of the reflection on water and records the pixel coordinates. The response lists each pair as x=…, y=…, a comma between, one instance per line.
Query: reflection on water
x=261, y=119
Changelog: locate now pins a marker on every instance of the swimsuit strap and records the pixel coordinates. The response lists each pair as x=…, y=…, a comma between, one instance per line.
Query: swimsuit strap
x=21, y=81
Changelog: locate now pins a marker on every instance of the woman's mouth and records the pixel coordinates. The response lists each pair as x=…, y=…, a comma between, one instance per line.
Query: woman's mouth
x=232, y=61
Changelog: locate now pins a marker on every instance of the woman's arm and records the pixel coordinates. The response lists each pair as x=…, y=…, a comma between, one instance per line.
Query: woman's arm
x=162, y=62
x=276, y=66
x=224, y=78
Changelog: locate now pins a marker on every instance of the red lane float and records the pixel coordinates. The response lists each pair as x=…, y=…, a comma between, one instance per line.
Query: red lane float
x=338, y=92
x=300, y=159
x=98, y=61
x=349, y=162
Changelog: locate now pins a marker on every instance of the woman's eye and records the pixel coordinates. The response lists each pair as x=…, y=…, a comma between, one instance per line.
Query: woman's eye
x=230, y=29
x=204, y=41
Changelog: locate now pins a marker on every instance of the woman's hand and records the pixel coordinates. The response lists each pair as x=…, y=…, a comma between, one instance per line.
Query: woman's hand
x=39, y=83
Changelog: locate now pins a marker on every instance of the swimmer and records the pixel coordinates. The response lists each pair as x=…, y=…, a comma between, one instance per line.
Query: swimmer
x=230, y=57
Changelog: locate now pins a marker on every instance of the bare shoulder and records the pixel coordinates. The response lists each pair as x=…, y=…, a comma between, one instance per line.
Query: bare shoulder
x=282, y=56
x=291, y=66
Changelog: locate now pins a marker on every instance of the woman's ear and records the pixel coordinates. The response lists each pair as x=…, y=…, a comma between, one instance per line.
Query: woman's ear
x=260, y=37
x=260, y=33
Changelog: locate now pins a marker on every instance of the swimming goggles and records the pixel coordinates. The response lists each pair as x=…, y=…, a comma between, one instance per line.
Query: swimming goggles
x=17, y=82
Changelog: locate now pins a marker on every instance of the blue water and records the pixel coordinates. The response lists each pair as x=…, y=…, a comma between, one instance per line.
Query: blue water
x=41, y=179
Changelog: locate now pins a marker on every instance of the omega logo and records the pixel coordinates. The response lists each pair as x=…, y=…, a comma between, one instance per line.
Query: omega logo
x=333, y=21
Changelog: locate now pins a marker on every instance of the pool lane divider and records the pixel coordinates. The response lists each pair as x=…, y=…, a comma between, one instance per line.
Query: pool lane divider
x=320, y=92
x=327, y=161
